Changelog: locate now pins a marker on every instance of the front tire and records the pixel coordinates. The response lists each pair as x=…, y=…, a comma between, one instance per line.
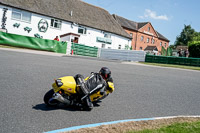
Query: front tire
x=48, y=96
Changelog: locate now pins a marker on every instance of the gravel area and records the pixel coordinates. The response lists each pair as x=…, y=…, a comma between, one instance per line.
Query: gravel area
x=138, y=125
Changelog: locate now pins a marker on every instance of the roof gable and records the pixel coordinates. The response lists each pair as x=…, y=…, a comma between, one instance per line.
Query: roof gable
x=75, y=11
x=148, y=29
x=140, y=25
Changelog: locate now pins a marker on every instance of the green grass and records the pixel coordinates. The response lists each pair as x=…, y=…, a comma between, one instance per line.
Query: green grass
x=174, y=66
x=174, y=128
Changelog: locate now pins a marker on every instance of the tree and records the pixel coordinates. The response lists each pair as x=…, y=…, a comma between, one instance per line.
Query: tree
x=194, y=46
x=172, y=46
x=185, y=36
x=194, y=49
x=163, y=51
x=196, y=37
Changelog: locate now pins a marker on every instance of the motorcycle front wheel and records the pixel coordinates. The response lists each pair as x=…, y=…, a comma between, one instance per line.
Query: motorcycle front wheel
x=47, y=98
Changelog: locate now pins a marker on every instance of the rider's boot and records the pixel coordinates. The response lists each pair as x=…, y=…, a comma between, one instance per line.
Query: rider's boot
x=88, y=102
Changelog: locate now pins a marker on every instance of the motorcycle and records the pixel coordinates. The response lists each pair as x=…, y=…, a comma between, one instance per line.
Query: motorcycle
x=65, y=90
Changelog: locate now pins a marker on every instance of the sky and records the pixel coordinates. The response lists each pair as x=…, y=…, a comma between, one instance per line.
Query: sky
x=168, y=17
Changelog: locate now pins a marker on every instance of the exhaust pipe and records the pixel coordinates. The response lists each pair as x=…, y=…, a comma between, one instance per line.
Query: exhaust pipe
x=60, y=98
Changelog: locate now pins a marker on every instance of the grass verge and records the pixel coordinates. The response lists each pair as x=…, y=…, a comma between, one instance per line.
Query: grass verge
x=186, y=127
x=174, y=66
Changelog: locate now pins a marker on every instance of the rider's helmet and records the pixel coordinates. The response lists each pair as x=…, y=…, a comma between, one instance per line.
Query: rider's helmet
x=105, y=72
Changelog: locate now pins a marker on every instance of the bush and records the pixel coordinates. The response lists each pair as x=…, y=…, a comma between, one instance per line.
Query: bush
x=194, y=49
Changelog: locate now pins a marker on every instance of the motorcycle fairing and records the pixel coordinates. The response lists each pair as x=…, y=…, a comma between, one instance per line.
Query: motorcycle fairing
x=111, y=87
x=97, y=96
x=69, y=85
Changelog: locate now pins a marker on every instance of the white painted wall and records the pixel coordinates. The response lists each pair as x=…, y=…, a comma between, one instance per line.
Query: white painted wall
x=1, y=14
x=88, y=39
x=119, y=40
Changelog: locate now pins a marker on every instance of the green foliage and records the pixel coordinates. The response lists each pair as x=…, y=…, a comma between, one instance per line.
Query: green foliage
x=169, y=51
x=194, y=49
x=172, y=46
x=194, y=46
x=127, y=47
x=185, y=36
x=163, y=51
x=174, y=128
x=195, y=38
x=189, y=37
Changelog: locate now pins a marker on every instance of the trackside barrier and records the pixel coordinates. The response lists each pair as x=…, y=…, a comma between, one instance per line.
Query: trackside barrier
x=32, y=43
x=123, y=55
x=173, y=60
x=80, y=49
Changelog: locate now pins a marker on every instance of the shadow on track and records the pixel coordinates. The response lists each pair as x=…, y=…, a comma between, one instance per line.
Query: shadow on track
x=44, y=107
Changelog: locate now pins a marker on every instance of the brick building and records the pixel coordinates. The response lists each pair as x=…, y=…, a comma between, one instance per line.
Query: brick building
x=143, y=34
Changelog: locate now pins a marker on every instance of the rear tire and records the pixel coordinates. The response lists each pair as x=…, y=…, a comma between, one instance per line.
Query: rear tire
x=48, y=96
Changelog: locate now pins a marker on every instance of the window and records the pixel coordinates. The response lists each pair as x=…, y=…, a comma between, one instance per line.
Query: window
x=82, y=30
x=160, y=43
x=107, y=35
x=140, y=48
x=152, y=41
x=165, y=44
x=147, y=40
x=131, y=34
x=148, y=29
x=56, y=23
x=119, y=47
x=21, y=15
x=142, y=38
x=103, y=45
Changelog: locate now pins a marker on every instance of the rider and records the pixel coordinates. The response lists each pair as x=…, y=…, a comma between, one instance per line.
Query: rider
x=96, y=81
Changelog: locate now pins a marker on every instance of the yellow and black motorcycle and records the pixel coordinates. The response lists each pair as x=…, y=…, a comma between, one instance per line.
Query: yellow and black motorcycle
x=66, y=90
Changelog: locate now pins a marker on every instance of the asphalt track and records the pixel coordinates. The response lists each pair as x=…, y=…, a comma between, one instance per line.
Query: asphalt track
x=141, y=92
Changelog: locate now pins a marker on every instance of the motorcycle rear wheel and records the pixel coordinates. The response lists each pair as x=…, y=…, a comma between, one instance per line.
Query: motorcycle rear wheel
x=48, y=96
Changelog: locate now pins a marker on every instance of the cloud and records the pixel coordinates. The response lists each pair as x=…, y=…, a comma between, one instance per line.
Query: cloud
x=151, y=14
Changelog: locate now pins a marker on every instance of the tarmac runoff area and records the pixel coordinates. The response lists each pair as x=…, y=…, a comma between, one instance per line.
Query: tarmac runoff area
x=126, y=125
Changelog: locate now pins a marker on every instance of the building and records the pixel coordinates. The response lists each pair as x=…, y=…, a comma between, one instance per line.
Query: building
x=71, y=20
x=151, y=50
x=143, y=34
